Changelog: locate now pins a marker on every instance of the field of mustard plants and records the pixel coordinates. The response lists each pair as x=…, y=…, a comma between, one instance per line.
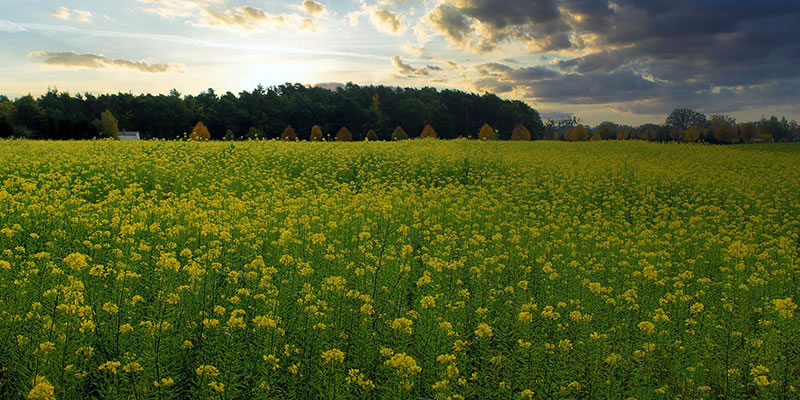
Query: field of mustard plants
x=414, y=270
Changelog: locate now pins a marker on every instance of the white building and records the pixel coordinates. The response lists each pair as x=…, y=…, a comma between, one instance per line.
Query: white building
x=128, y=135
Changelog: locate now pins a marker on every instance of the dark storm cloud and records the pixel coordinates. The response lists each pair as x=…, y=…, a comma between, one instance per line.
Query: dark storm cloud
x=484, y=25
x=661, y=53
x=594, y=88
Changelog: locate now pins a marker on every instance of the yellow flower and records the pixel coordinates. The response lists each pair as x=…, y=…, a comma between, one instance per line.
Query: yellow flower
x=132, y=367
x=76, y=261
x=207, y=371
x=46, y=347
x=265, y=322
x=526, y=394
x=42, y=390
x=484, y=330
x=125, y=328
x=525, y=316
x=697, y=308
x=293, y=368
x=210, y=323
x=445, y=358
x=386, y=352
x=216, y=386
x=333, y=355
x=428, y=302
x=165, y=382
x=110, y=366
x=761, y=380
x=404, y=365
x=647, y=327
x=612, y=359
x=759, y=370
x=403, y=325
x=356, y=377
x=785, y=307
x=110, y=308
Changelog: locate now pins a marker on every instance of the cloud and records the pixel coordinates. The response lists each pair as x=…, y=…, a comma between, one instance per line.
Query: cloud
x=387, y=21
x=483, y=26
x=261, y=47
x=407, y=71
x=381, y=17
x=449, y=21
x=97, y=61
x=219, y=14
x=643, y=56
x=500, y=78
x=67, y=14
x=312, y=7
x=11, y=27
x=61, y=13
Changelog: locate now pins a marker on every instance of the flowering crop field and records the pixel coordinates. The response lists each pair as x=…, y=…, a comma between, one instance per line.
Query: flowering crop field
x=408, y=270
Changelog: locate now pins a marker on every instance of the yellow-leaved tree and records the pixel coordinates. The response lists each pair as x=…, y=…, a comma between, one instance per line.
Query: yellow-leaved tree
x=428, y=133
x=399, y=134
x=520, y=132
x=108, y=125
x=316, y=134
x=289, y=134
x=486, y=133
x=200, y=132
x=344, y=135
x=372, y=135
x=577, y=133
x=623, y=134
x=748, y=132
x=691, y=134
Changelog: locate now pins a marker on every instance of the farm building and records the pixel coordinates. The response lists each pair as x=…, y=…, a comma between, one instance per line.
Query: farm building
x=129, y=135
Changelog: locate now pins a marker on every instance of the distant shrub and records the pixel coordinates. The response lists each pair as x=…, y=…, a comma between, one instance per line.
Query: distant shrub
x=520, y=132
x=577, y=133
x=486, y=133
x=200, y=132
x=596, y=137
x=399, y=134
x=344, y=135
x=229, y=135
x=288, y=134
x=691, y=134
x=372, y=135
x=316, y=134
x=428, y=133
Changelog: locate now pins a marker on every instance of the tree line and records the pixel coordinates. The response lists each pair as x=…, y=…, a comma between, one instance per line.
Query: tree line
x=267, y=113
x=682, y=124
x=349, y=112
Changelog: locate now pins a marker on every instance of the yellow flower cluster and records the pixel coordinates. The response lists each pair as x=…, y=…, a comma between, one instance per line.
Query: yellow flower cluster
x=333, y=355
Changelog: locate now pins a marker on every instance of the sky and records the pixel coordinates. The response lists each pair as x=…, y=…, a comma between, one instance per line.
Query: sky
x=625, y=61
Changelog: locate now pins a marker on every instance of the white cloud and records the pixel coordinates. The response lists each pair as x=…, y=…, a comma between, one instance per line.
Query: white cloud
x=61, y=13
x=387, y=21
x=312, y=7
x=66, y=14
x=219, y=14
